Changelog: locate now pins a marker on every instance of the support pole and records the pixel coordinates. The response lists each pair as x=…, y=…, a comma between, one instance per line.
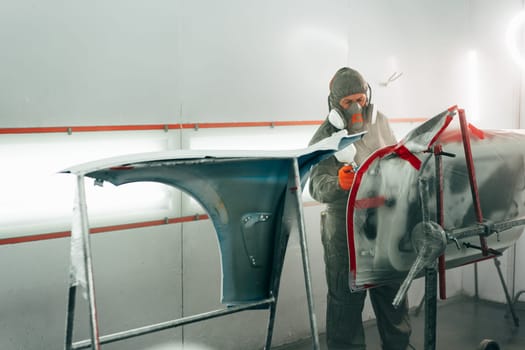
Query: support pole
x=88, y=265
x=430, y=277
x=304, y=255
x=131, y=333
x=430, y=308
x=438, y=151
x=477, y=206
x=472, y=176
x=510, y=304
x=70, y=317
x=271, y=323
x=476, y=284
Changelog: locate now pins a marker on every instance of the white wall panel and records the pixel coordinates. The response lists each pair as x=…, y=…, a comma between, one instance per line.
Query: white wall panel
x=498, y=92
x=137, y=280
x=519, y=283
x=248, y=60
x=117, y=62
x=89, y=62
x=417, y=39
x=431, y=44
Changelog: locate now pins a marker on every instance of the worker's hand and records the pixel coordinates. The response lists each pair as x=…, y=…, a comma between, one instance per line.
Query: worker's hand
x=346, y=177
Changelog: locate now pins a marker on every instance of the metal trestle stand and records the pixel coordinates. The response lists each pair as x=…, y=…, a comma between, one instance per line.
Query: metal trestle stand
x=81, y=274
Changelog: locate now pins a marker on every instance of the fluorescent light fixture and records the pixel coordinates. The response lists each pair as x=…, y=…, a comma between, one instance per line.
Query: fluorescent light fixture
x=35, y=198
x=284, y=138
x=514, y=39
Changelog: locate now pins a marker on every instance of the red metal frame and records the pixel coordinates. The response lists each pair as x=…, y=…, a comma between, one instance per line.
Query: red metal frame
x=438, y=149
x=472, y=175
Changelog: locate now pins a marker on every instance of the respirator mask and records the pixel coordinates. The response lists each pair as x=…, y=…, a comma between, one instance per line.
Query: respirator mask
x=353, y=118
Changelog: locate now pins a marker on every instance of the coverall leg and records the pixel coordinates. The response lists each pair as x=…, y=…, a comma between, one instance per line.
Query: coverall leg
x=344, y=326
x=393, y=324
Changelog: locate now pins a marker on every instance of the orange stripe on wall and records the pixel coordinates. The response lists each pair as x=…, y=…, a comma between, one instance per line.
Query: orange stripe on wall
x=63, y=234
x=166, y=127
x=66, y=129
x=111, y=228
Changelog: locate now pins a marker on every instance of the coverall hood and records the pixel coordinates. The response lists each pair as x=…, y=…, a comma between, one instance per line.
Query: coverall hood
x=346, y=81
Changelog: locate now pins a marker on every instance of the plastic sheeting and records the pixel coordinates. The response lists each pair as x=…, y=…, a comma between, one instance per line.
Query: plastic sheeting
x=386, y=208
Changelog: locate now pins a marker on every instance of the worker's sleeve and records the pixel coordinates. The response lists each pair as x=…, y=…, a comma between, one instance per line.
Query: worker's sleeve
x=324, y=183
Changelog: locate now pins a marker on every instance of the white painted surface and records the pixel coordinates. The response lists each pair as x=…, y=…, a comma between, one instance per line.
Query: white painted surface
x=137, y=280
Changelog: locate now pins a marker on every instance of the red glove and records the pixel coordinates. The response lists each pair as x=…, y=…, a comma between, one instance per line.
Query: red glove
x=346, y=177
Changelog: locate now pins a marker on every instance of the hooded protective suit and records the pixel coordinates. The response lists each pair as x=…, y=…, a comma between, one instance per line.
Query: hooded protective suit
x=344, y=328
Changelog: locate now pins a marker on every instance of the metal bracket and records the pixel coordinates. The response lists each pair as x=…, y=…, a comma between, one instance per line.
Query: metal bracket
x=489, y=250
x=451, y=238
x=254, y=227
x=488, y=227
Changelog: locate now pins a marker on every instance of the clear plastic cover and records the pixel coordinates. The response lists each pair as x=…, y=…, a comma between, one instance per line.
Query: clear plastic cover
x=385, y=207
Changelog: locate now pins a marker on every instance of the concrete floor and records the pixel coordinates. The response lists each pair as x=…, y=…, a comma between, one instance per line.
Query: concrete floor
x=462, y=323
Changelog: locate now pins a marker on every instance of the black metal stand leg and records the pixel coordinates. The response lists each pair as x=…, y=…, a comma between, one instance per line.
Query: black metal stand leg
x=271, y=322
x=305, y=259
x=70, y=318
x=430, y=308
x=510, y=304
x=309, y=293
x=476, y=284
